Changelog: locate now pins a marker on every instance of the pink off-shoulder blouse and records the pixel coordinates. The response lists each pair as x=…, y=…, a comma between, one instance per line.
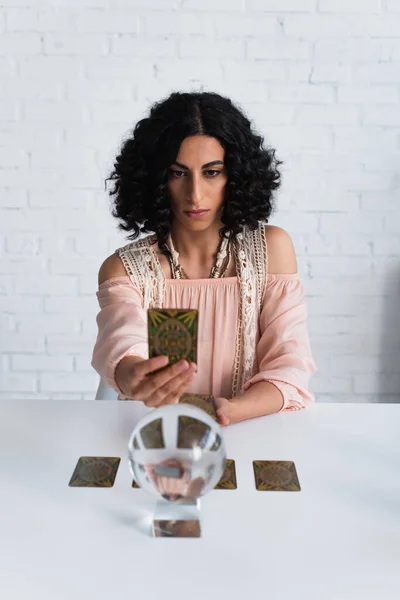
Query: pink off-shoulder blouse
x=283, y=353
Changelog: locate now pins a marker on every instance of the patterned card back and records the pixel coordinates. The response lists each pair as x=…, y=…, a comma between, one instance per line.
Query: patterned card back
x=174, y=333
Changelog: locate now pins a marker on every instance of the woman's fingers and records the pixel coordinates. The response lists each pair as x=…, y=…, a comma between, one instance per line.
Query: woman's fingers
x=171, y=391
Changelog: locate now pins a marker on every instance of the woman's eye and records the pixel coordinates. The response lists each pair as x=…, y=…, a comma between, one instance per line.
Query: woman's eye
x=212, y=172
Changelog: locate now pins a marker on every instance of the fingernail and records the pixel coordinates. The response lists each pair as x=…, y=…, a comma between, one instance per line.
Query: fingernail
x=163, y=360
x=183, y=365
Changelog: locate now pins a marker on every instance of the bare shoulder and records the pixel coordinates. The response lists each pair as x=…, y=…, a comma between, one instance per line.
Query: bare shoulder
x=281, y=253
x=111, y=267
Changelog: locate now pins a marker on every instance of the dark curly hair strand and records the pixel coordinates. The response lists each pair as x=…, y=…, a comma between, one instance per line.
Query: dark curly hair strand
x=141, y=200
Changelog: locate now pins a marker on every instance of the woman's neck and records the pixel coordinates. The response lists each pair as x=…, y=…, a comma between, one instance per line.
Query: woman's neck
x=196, y=246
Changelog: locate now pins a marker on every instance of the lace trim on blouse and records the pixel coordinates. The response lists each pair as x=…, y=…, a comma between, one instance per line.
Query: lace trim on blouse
x=144, y=269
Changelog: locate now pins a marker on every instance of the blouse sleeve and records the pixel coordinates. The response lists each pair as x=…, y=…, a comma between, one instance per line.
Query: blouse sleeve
x=283, y=351
x=122, y=328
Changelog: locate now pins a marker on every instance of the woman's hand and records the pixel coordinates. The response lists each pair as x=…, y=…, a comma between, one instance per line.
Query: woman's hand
x=224, y=410
x=135, y=377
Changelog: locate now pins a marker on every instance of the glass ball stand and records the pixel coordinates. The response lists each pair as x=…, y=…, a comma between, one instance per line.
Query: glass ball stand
x=177, y=453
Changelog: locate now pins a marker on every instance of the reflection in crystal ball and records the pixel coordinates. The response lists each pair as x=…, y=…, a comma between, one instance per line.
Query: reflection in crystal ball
x=177, y=452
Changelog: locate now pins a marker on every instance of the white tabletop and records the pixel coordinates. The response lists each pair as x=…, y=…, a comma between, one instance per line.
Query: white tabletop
x=337, y=539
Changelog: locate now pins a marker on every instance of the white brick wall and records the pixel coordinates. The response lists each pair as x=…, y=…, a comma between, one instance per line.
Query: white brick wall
x=321, y=80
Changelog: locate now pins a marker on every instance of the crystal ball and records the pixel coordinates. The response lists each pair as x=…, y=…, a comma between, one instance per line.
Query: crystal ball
x=177, y=452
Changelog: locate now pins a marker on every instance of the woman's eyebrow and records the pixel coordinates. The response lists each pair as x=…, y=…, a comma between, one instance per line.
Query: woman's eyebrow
x=209, y=164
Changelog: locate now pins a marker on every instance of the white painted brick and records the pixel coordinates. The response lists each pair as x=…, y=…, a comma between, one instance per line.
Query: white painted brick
x=20, y=43
x=42, y=20
x=69, y=44
x=16, y=306
x=297, y=138
x=376, y=25
x=22, y=243
x=73, y=266
x=334, y=325
x=321, y=245
x=19, y=266
x=355, y=246
x=389, y=50
x=81, y=305
x=297, y=71
x=300, y=93
x=70, y=382
x=88, y=285
x=82, y=364
x=330, y=72
x=367, y=94
x=89, y=326
x=376, y=73
x=107, y=21
x=116, y=67
x=272, y=113
x=13, y=198
x=18, y=383
x=254, y=71
x=7, y=69
x=26, y=220
x=69, y=158
x=391, y=225
x=298, y=222
x=229, y=25
x=64, y=344
x=37, y=362
x=366, y=383
x=13, y=157
x=387, y=246
x=9, y=110
x=360, y=138
x=57, y=246
x=178, y=24
x=349, y=6
x=7, y=322
x=378, y=201
x=347, y=223
x=55, y=285
x=327, y=115
x=282, y=5
x=71, y=198
x=347, y=49
x=93, y=89
x=278, y=48
x=210, y=5
x=357, y=266
x=47, y=324
x=54, y=112
x=317, y=26
x=382, y=115
x=4, y=364
x=392, y=5
x=91, y=248
x=332, y=385
x=14, y=342
x=213, y=49
x=55, y=68
x=147, y=4
x=132, y=45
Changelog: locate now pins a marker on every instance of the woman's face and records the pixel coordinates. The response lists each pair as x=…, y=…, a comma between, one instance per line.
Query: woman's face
x=196, y=183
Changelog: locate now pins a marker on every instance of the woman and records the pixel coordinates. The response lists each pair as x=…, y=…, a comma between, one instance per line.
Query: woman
x=196, y=175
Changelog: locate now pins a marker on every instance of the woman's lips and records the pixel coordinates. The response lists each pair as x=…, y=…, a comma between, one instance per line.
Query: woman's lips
x=196, y=214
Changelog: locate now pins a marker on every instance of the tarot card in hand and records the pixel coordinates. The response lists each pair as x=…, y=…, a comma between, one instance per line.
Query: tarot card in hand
x=204, y=401
x=276, y=476
x=173, y=332
x=95, y=471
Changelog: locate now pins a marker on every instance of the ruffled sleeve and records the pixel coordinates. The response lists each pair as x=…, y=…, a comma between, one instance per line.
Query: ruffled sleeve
x=122, y=328
x=283, y=351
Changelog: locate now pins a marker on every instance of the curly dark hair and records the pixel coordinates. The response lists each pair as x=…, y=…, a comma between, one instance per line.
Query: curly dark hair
x=140, y=174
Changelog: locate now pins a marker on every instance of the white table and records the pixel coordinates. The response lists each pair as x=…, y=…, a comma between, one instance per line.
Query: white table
x=337, y=539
